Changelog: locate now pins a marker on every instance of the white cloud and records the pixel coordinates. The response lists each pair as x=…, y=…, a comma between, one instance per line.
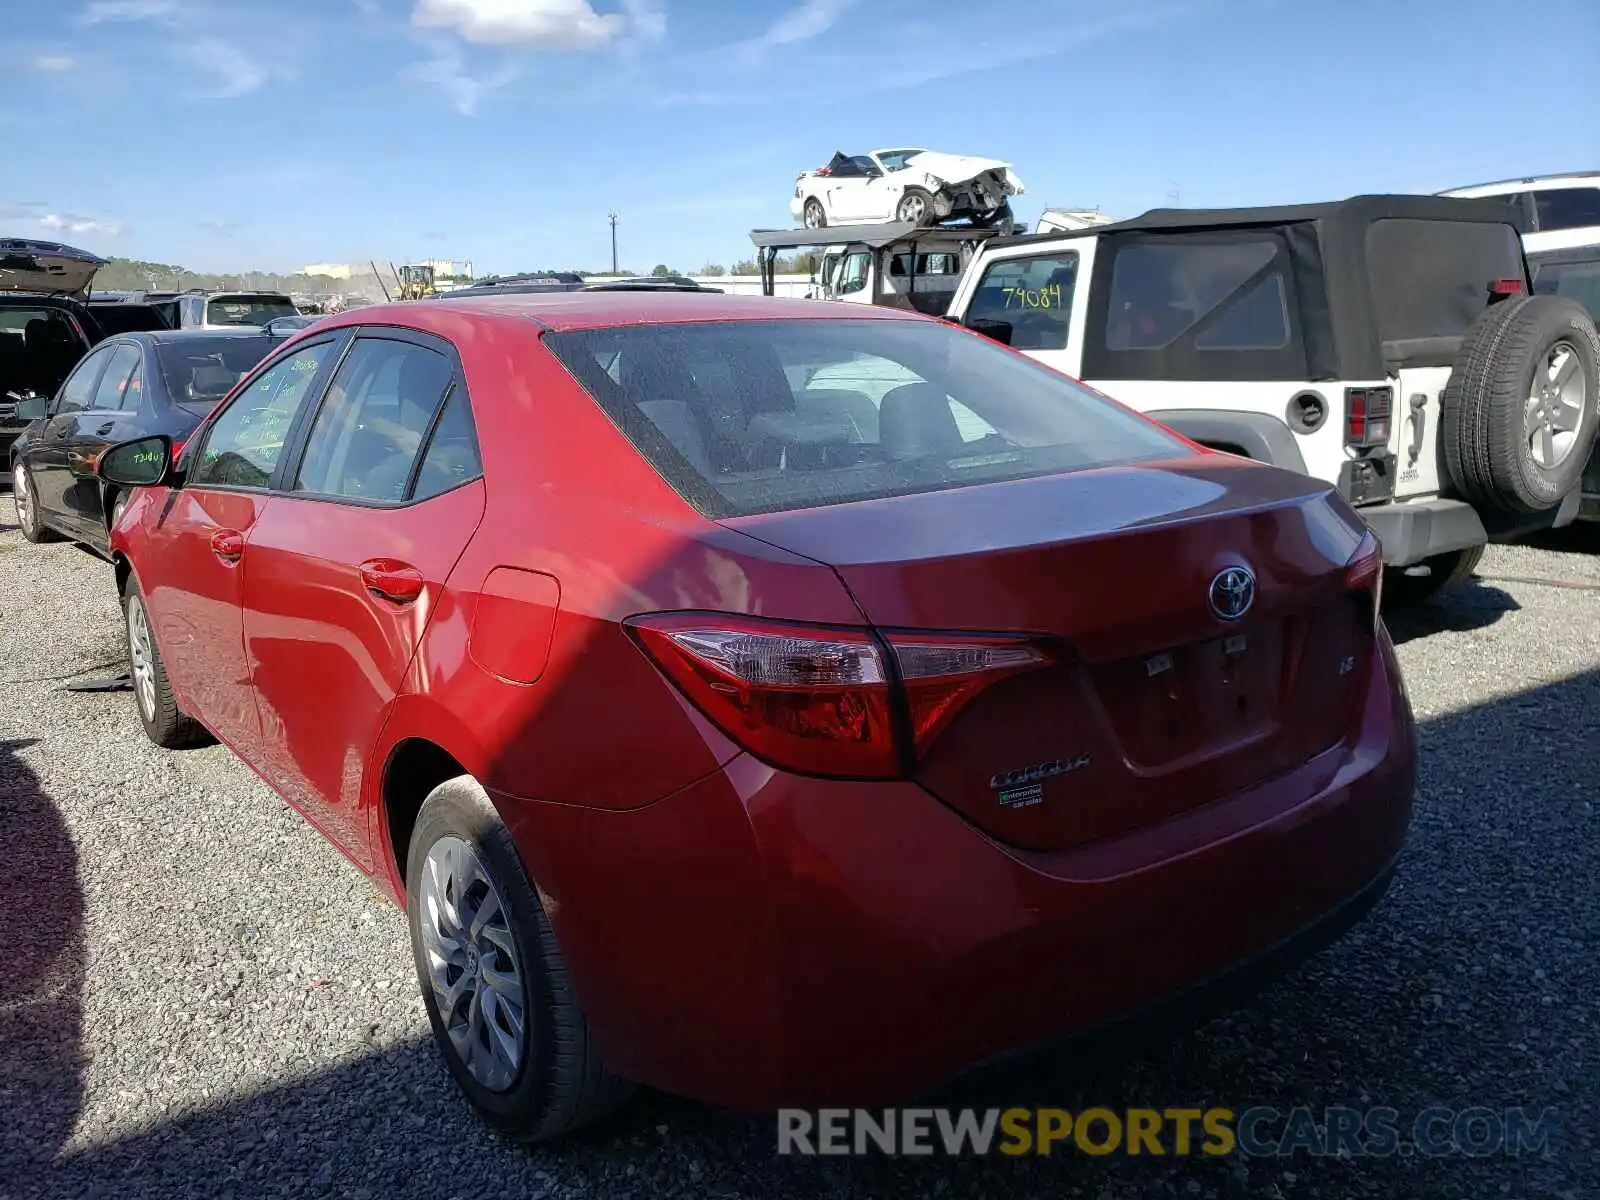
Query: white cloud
x=539, y=24
x=72, y=223
x=127, y=10
x=647, y=18
x=234, y=73
x=810, y=19
x=446, y=71
x=54, y=63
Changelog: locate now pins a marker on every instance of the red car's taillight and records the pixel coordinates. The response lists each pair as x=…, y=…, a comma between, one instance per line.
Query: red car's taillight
x=1364, y=571
x=824, y=700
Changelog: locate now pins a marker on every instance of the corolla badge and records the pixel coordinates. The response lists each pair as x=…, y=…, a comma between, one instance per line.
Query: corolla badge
x=1232, y=592
x=1023, y=787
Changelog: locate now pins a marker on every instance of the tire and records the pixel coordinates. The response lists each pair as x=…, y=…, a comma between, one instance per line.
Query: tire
x=814, y=216
x=557, y=1082
x=165, y=724
x=1512, y=441
x=916, y=207
x=1444, y=571
x=25, y=501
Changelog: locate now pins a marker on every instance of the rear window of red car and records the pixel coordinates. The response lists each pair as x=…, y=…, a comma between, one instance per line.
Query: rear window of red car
x=747, y=417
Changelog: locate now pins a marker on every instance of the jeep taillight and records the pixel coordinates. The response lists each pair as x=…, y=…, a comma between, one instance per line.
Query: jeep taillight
x=827, y=700
x=1367, y=414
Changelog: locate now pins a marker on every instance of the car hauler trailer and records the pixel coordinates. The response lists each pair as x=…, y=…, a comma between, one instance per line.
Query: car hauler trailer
x=899, y=264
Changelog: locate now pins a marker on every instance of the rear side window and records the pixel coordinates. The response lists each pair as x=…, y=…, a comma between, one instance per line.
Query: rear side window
x=1567, y=208
x=370, y=429
x=817, y=412
x=120, y=385
x=1030, y=297
x=1203, y=305
x=1431, y=279
x=246, y=441
x=1230, y=293
x=452, y=455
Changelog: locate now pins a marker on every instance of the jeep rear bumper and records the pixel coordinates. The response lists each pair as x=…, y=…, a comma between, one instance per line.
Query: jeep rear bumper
x=1420, y=529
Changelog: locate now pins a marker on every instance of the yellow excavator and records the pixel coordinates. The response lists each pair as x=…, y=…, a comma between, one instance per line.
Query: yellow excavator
x=416, y=281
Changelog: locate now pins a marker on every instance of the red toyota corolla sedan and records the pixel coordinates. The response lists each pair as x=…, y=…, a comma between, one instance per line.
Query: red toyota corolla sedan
x=769, y=701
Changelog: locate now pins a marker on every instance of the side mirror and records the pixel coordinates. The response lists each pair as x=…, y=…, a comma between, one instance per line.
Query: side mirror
x=143, y=462
x=32, y=407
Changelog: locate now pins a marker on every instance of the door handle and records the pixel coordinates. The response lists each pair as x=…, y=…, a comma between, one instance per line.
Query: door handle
x=392, y=580
x=228, y=545
x=105, y=430
x=1419, y=422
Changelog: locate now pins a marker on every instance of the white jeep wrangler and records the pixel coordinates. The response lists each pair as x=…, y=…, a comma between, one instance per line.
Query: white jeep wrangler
x=1387, y=344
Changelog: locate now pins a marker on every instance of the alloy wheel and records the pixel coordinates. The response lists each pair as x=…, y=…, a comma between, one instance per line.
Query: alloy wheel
x=141, y=657
x=913, y=209
x=22, y=497
x=1554, y=412
x=473, y=965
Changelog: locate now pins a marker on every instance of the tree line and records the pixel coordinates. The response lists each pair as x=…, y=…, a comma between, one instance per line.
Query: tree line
x=132, y=274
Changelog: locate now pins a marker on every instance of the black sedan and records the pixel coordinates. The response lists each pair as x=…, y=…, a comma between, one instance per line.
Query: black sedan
x=129, y=386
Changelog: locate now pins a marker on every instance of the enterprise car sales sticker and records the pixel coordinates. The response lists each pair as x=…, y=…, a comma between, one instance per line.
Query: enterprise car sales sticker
x=1022, y=797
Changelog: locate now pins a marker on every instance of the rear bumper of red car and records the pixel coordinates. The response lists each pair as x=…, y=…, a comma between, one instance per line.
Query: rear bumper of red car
x=761, y=939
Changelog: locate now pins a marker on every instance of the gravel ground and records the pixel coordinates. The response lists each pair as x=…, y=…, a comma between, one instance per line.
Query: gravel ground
x=199, y=997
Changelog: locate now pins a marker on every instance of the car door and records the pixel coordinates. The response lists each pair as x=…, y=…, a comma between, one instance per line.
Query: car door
x=847, y=189
x=47, y=452
x=194, y=547
x=345, y=566
x=110, y=417
x=880, y=191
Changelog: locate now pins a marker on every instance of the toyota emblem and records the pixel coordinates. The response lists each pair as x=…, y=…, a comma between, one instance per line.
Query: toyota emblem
x=1232, y=593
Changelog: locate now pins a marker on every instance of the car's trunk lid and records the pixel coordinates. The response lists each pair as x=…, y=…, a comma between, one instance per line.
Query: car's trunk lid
x=1157, y=704
x=46, y=268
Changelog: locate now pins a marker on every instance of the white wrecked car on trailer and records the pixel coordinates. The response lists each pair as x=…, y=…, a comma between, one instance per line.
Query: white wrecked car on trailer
x=920, y=187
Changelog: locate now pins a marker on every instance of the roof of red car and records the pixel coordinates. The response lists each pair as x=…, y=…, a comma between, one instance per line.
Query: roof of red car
x=595, y=310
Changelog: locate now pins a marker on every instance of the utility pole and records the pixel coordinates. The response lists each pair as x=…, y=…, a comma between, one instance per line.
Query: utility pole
x=612, y=217
x=1174, y=195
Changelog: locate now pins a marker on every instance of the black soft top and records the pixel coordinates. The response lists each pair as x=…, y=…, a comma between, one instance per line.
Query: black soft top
x=1348, y=217
x=1375, y=282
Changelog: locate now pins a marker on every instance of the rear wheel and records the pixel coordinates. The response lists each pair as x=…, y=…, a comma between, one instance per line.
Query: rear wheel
x=22, y=497
x=164, y=722
x=1520, y=411
x=493, y=979
x=815, y=217
x=1443, y=571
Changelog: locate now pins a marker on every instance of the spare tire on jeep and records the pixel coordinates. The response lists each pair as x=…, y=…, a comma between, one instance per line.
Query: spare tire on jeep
x=1519, y=415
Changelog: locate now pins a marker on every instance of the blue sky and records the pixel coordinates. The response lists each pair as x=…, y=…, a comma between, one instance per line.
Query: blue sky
x=265, y=134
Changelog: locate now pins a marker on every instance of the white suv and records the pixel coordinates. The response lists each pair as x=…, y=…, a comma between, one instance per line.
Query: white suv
x=1556, y=210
